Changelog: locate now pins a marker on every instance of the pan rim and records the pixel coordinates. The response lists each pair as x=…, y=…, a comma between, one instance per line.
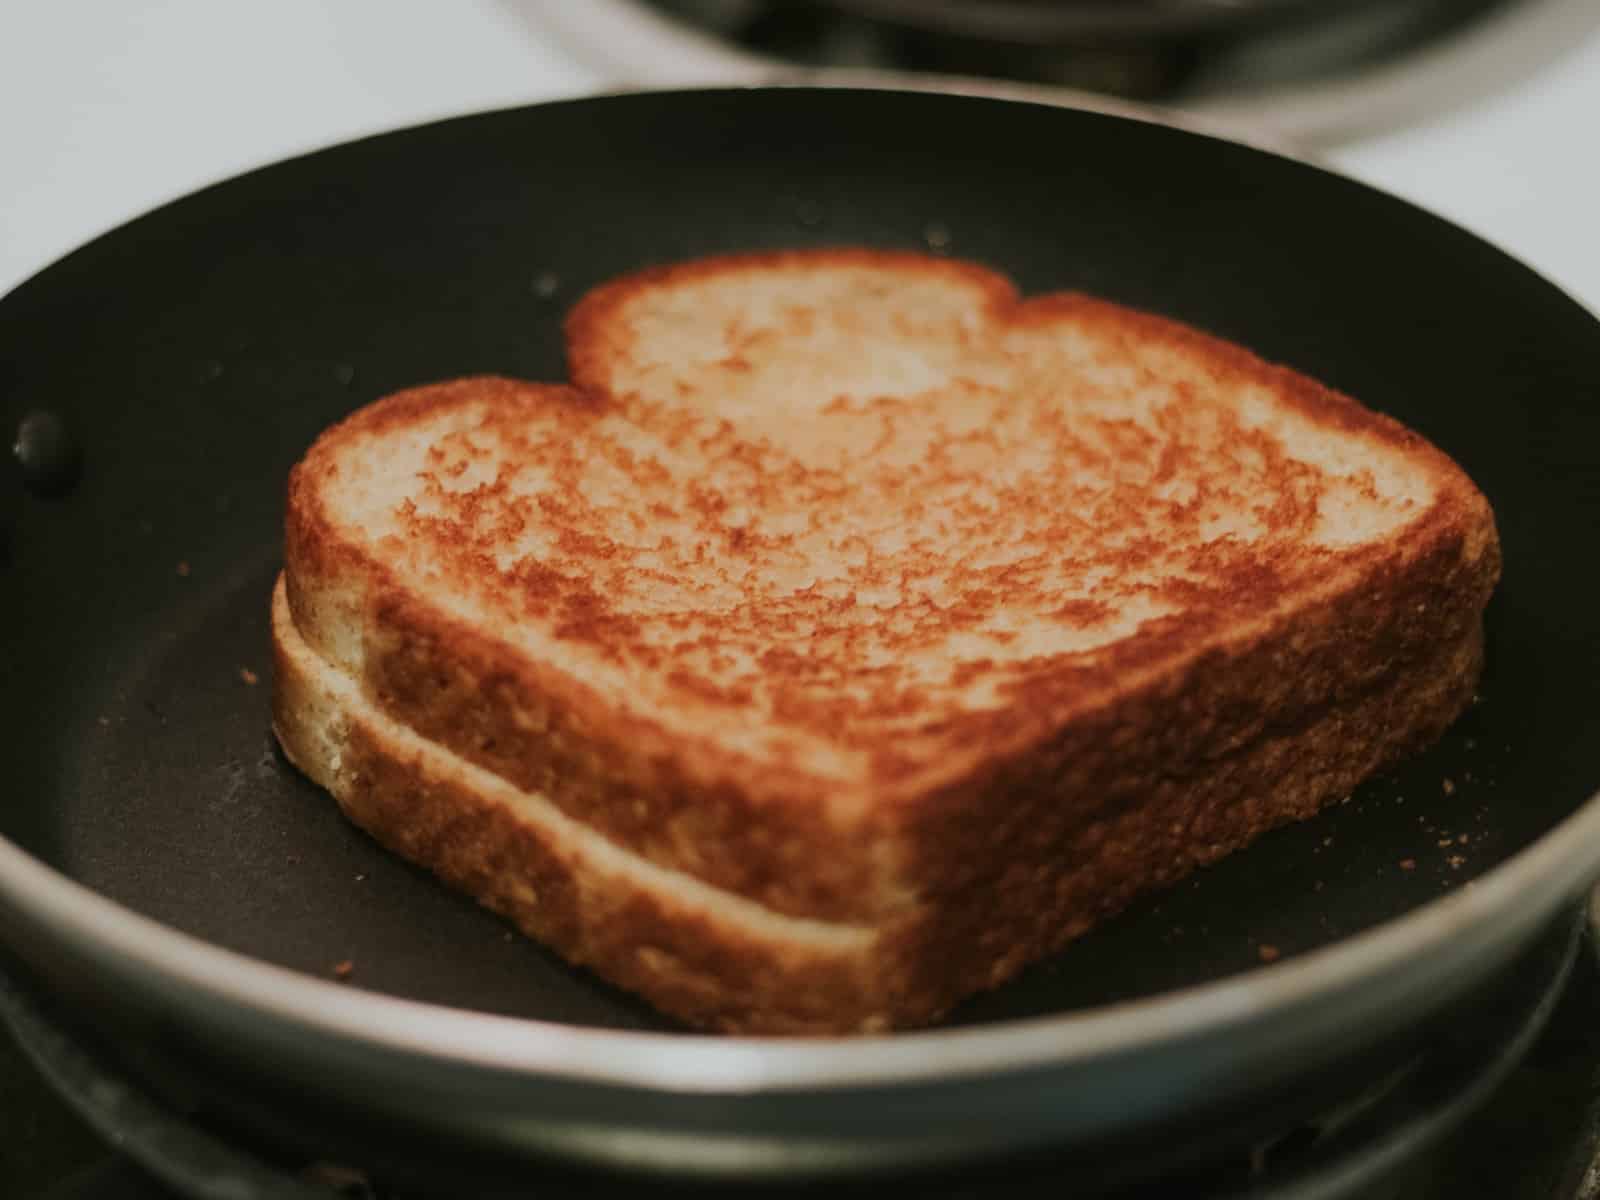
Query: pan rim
x=1513, y=899
x=1519, y=895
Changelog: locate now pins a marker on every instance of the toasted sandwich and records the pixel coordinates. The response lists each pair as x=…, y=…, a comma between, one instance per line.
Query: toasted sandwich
x=852, y=631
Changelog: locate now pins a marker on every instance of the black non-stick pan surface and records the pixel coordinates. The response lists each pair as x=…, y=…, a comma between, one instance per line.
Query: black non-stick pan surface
x=171, y=879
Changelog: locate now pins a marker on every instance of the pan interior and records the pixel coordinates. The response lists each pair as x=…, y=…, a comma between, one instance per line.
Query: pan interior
x=198, y=351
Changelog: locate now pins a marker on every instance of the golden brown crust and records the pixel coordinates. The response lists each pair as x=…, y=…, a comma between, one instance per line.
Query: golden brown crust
x=985, y=923
x=753, y=824
x=686, y=803
x=952, y=804
x=625, y=776
x=970, y=935
x=1414, y=613
x=706, y=969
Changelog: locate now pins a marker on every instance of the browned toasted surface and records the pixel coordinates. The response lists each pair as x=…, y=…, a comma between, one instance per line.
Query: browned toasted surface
x=707, y=960
x=853, y=586
x=718, y=969
x=680, y=630
x=1020, y=889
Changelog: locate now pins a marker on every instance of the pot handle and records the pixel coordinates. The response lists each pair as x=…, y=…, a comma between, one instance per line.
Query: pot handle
x=44, y=459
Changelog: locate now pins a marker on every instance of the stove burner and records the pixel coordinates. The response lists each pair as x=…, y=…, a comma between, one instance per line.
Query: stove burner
x=1409, y=1133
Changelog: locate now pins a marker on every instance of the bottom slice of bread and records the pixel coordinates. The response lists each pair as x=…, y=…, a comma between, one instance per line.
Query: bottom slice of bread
x=695, y=951
x=719, y=961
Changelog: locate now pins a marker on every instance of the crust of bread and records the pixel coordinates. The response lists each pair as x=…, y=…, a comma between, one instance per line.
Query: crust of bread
x=710, y=958
x=715, y=960
x=991, y=840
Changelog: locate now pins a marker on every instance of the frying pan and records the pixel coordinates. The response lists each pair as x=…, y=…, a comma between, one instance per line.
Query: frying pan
x=169, y=881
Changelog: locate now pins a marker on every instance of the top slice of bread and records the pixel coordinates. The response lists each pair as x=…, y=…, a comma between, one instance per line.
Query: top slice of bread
x=855, y=585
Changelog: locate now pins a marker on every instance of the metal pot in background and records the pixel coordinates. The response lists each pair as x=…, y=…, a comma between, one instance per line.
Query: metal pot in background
x=1309, y=71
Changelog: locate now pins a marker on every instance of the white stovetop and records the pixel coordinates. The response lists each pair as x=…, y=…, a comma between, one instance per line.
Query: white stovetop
x=108, y=108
